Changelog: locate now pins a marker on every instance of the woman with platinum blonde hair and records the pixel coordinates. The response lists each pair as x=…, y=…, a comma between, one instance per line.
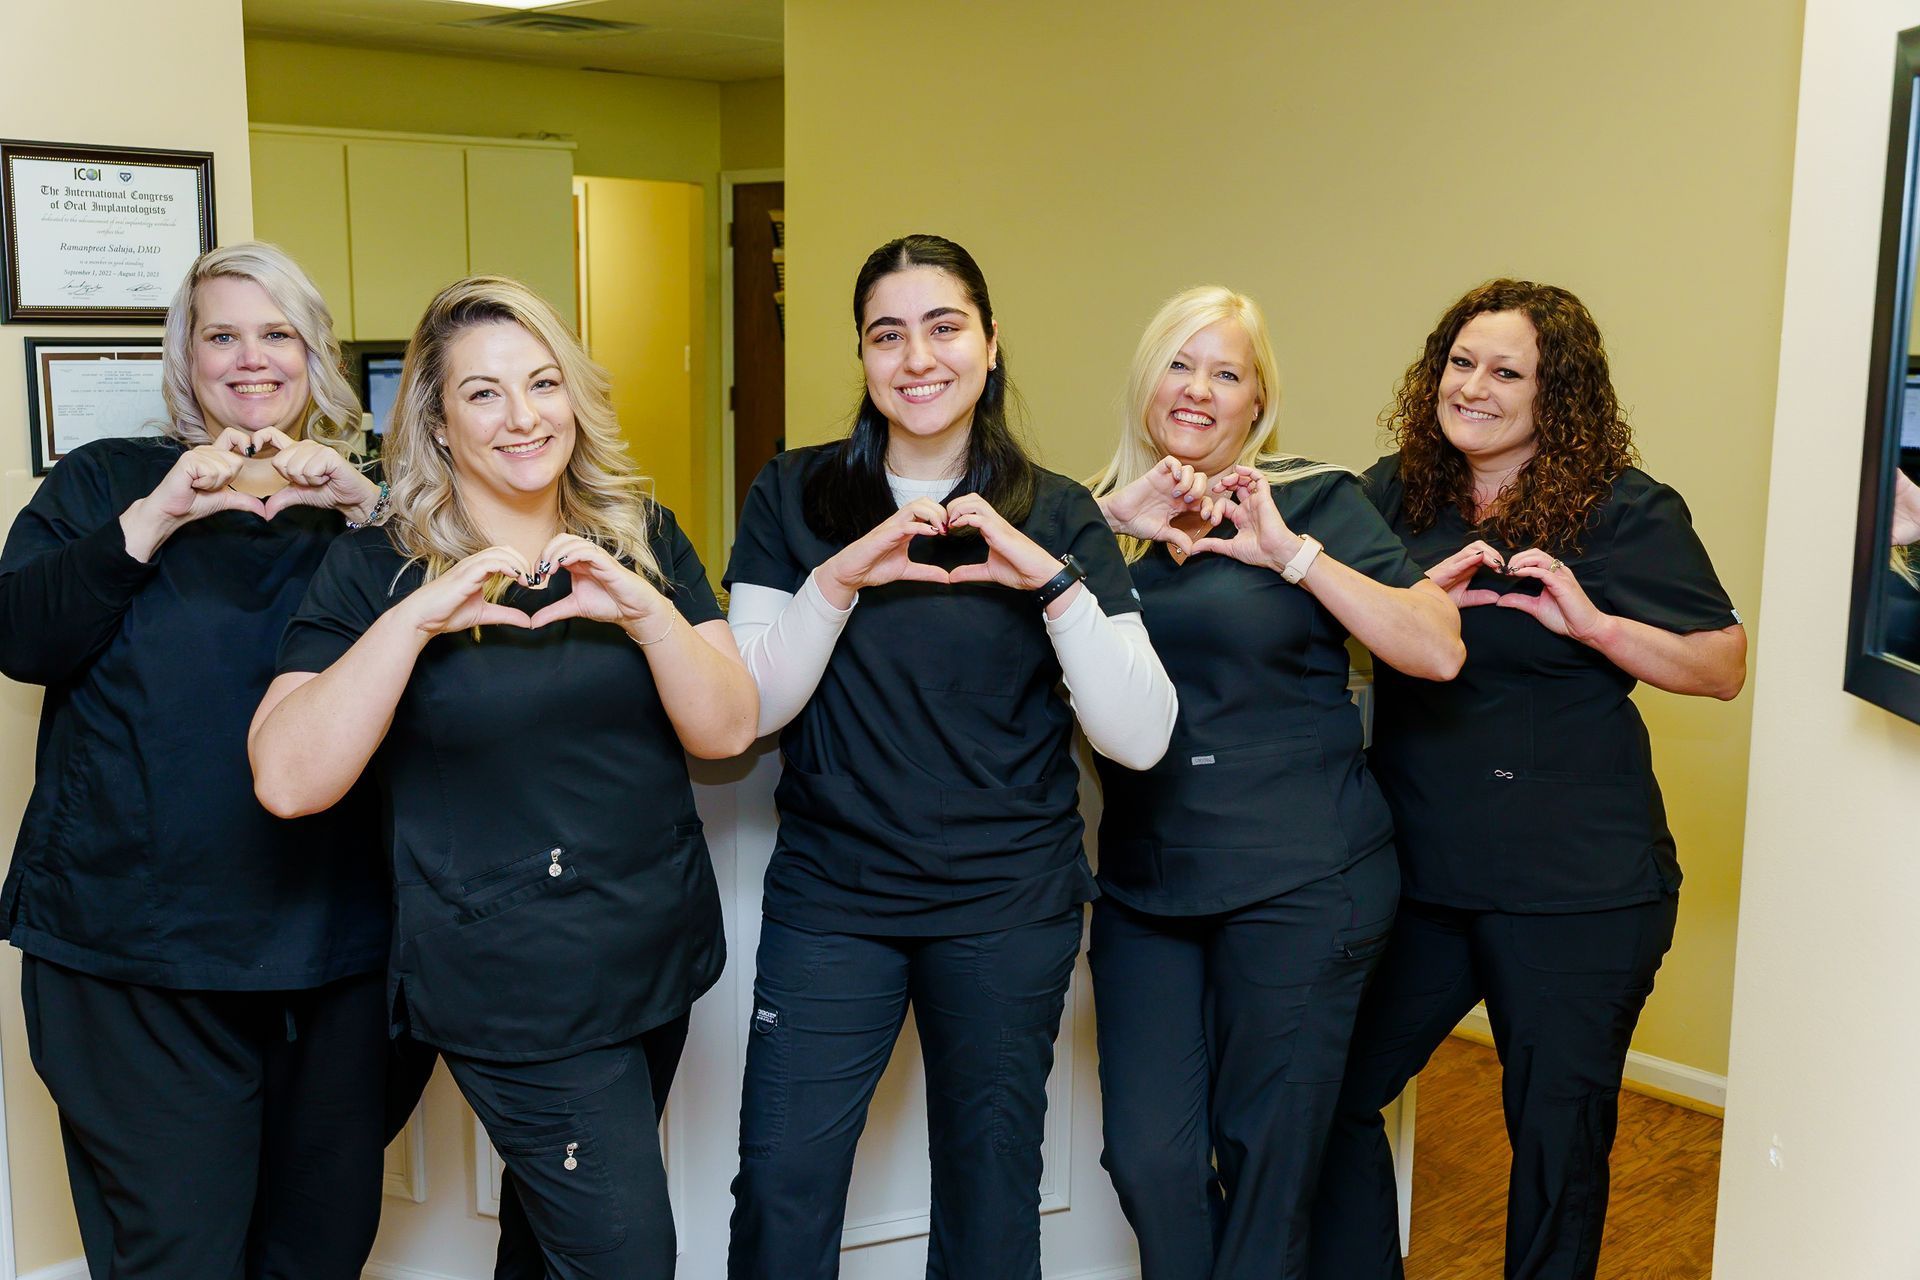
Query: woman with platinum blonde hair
x=525, y=656
x=1248, y=880
x=201, y=980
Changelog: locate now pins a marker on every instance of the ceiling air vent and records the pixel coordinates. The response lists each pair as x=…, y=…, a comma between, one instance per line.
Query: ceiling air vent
x=548, y=24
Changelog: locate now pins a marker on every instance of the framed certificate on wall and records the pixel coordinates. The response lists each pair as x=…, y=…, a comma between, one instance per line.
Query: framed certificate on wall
x=99, y=233
x=81, y=389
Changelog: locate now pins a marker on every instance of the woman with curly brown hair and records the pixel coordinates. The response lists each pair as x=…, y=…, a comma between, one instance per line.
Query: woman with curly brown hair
x=1537, y=869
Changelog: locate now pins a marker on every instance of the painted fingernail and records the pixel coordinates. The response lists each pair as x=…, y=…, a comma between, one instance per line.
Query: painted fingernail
x=249, y=451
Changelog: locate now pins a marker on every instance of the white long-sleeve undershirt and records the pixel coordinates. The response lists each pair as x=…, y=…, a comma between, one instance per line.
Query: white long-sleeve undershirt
x=1115, y=683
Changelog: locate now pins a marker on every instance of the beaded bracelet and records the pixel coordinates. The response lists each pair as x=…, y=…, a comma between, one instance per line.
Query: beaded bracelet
x=379, y=511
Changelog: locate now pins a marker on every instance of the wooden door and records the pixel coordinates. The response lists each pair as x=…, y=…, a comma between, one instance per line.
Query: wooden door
x=759, y=392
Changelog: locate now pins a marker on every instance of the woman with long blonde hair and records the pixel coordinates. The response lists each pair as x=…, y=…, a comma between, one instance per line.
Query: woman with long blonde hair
x=200, y=980
x=1248, y=879
x=525, y=656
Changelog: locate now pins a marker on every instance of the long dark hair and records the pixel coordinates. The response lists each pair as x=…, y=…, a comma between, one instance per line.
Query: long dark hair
x=1583, y=441
x=848, y=494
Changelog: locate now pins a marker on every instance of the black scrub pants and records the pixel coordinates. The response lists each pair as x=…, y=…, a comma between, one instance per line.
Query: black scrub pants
x=409, y=1067
x=1222, y=1042
x=827, y=1010
x=215, y=1135
x=580, y=1138
x=1563, y=993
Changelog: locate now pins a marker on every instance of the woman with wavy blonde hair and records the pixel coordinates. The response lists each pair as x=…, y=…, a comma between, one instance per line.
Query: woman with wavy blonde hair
x=525, y=657
x=1537, y=869
x=201, y=980
x=1248, y=879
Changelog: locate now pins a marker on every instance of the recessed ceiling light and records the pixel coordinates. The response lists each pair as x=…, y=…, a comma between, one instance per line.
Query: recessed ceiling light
x=513, y=4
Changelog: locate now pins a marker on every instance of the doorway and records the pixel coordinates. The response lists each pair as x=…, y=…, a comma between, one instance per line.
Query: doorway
x=754, y=204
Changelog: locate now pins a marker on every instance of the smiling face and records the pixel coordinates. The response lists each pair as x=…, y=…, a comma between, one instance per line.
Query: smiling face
x=1207, y=399
x=249, y=365
x=1487, y=390
x=509, y=419
x=926, y=355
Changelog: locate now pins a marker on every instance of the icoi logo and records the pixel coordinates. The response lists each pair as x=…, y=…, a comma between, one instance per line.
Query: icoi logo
x=85, y=174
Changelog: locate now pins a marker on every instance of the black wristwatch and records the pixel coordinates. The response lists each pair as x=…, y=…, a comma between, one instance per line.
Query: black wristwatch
x=1056, y=586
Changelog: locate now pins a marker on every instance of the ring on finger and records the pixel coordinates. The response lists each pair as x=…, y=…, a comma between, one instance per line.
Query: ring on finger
x=1556, y=566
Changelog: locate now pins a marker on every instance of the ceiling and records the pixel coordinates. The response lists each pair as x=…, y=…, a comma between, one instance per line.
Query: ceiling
x=688, y=39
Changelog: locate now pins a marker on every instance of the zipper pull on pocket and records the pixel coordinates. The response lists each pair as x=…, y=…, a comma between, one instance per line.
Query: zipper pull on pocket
x=570, y=1164
x=553, y=869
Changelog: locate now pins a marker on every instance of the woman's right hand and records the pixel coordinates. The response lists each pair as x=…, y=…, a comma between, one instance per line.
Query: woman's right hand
x=1906, y=510
x=194, y=488
x=1453, y=574
x=456, y=600
x=881, y=556
x=1146, y=508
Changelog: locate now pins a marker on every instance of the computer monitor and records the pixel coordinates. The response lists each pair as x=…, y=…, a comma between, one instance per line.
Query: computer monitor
x=379, y=388
x=374, y=368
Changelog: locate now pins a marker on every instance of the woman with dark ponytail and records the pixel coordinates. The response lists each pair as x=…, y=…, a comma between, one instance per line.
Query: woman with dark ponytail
x=929, y=851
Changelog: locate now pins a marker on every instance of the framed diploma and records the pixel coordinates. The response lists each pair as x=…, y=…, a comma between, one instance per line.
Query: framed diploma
x=81, y=389
x=99, y=233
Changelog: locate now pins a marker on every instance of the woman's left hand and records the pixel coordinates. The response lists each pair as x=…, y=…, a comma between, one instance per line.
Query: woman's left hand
x=316, y=476
x=1563, y=606
x=1261, y=537
x=603, y=590
x=1013, y=559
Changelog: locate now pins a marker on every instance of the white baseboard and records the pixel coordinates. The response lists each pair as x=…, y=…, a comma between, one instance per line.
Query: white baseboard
x=71, y=1269
x=1103, y=1273
x=1642, y=1069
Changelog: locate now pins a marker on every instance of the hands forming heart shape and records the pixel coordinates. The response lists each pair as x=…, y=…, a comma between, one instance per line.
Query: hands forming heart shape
x=601, y=589
x=224, y=475
x=1562, y=605
x=1013, y=559
x=262, y=474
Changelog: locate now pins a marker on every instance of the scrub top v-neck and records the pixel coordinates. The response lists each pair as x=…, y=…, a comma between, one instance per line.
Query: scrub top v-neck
x=1264, y=787
x=928, y=785
x=553, y=888
x=1526, y=784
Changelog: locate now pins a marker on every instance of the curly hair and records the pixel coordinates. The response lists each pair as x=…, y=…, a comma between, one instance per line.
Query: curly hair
x=1582, y=440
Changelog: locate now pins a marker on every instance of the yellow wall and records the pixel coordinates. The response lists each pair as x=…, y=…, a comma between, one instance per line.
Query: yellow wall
x=1825, y=1032
x=752, y=124
x=1355, y=175
x=96, y=71
x=625, y=127
x=642, y=306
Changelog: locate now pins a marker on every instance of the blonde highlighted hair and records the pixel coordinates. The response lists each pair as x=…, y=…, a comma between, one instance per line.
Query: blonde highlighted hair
x=603, y=496
x=332, y=414
x=1179, y=318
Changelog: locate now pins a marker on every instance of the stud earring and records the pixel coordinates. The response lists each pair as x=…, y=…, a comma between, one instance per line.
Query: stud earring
x=441, y=441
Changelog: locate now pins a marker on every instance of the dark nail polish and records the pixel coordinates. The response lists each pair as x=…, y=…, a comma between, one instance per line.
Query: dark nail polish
x=249, y=451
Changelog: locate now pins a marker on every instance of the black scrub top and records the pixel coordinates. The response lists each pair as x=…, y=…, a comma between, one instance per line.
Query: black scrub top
x=1264, y=787
x=929, y=786
x=143, y=855
x=553, y=891
x=1526, y=784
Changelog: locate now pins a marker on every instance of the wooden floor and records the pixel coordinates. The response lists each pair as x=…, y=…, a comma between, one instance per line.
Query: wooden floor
x=1666, y=1170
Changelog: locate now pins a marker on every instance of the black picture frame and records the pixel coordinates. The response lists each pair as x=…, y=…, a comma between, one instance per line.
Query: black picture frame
x=42, y=429
x=14, y=308
x=1873, y=672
